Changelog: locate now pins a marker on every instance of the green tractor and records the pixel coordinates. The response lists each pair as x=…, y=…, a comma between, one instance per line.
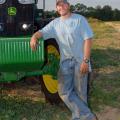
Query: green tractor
x=19, y=19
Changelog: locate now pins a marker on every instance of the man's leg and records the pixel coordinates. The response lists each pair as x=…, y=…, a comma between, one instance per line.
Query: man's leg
x=80, y=87
x=67, y=92
x=80, y=83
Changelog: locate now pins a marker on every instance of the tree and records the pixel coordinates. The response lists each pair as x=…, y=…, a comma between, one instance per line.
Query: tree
x=98, y=12
x=90, y=12
x=72, y=8
x=80, y=8
x=107, y=13
x=116, y=14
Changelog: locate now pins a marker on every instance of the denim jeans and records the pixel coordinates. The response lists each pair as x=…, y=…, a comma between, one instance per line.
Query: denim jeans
x=72, y=88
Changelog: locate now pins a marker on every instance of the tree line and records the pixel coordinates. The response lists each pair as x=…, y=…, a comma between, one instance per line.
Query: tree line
x=105, y=13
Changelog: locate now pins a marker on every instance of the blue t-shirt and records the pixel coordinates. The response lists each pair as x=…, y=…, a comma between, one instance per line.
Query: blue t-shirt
x=69, y=34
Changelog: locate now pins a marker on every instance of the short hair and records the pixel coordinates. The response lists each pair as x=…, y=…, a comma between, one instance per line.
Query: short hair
x=59, y=1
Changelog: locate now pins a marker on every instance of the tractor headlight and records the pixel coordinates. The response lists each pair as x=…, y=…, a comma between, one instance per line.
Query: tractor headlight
x=1, y=27
x=26, y=26
x=2, y=1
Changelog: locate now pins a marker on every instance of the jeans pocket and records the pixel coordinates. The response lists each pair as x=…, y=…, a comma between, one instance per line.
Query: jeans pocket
x=66, y=67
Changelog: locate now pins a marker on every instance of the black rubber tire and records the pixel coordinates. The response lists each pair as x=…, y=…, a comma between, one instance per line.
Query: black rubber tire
x=52, y=98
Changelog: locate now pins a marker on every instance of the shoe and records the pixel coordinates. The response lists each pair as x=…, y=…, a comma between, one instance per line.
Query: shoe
x=95, y=118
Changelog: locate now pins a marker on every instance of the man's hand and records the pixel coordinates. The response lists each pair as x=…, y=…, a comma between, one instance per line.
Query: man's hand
x=34, y=40
x=84, y=68
x=33, y=43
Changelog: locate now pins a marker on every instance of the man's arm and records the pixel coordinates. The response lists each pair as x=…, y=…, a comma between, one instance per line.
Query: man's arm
x=87, y=48
x=46, y=32
x=84, y=68
x=34, y=40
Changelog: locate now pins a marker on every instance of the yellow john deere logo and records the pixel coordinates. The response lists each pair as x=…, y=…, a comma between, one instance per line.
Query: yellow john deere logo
x=12, y=11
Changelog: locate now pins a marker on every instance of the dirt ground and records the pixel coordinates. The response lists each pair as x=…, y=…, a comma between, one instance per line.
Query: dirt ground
x=33, y=92
x=109, y=113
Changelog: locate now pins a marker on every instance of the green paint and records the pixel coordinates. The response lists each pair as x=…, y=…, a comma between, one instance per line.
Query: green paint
x=18, y=56
x=18, y=60
x=12, y=11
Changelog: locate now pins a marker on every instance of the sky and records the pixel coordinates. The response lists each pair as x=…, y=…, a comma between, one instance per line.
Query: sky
x=50, y=4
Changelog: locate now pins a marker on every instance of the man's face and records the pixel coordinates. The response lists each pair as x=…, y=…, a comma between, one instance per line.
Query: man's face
x=63, y=8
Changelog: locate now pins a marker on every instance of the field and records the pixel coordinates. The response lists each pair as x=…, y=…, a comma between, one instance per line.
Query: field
x=24, y=101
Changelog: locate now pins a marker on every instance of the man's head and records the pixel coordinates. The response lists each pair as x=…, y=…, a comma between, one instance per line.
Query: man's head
x=63, y=7
x=63, y=1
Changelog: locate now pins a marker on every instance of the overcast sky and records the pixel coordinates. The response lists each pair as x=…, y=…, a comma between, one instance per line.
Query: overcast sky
x=50, y=4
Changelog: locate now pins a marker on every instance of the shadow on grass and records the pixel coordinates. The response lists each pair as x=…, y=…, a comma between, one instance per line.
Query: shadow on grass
x=105, y=57
x=105, y=78
x=105, y=92
x=14, y=108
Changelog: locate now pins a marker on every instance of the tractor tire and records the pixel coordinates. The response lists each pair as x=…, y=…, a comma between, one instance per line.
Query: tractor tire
x=48, y=82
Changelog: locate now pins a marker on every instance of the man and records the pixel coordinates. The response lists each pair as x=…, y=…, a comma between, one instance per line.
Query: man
x=74, y=37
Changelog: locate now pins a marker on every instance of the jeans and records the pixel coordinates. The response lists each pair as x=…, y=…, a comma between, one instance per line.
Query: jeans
x=72, y=88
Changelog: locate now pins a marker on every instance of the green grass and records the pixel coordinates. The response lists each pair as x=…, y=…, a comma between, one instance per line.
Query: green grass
x=16, y=108
x=105, y=57
x=101, y=30
x=104, y=89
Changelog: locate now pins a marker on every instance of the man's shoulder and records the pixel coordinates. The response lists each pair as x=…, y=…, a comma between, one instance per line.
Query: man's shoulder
x=56, y=20
x=76, y=15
